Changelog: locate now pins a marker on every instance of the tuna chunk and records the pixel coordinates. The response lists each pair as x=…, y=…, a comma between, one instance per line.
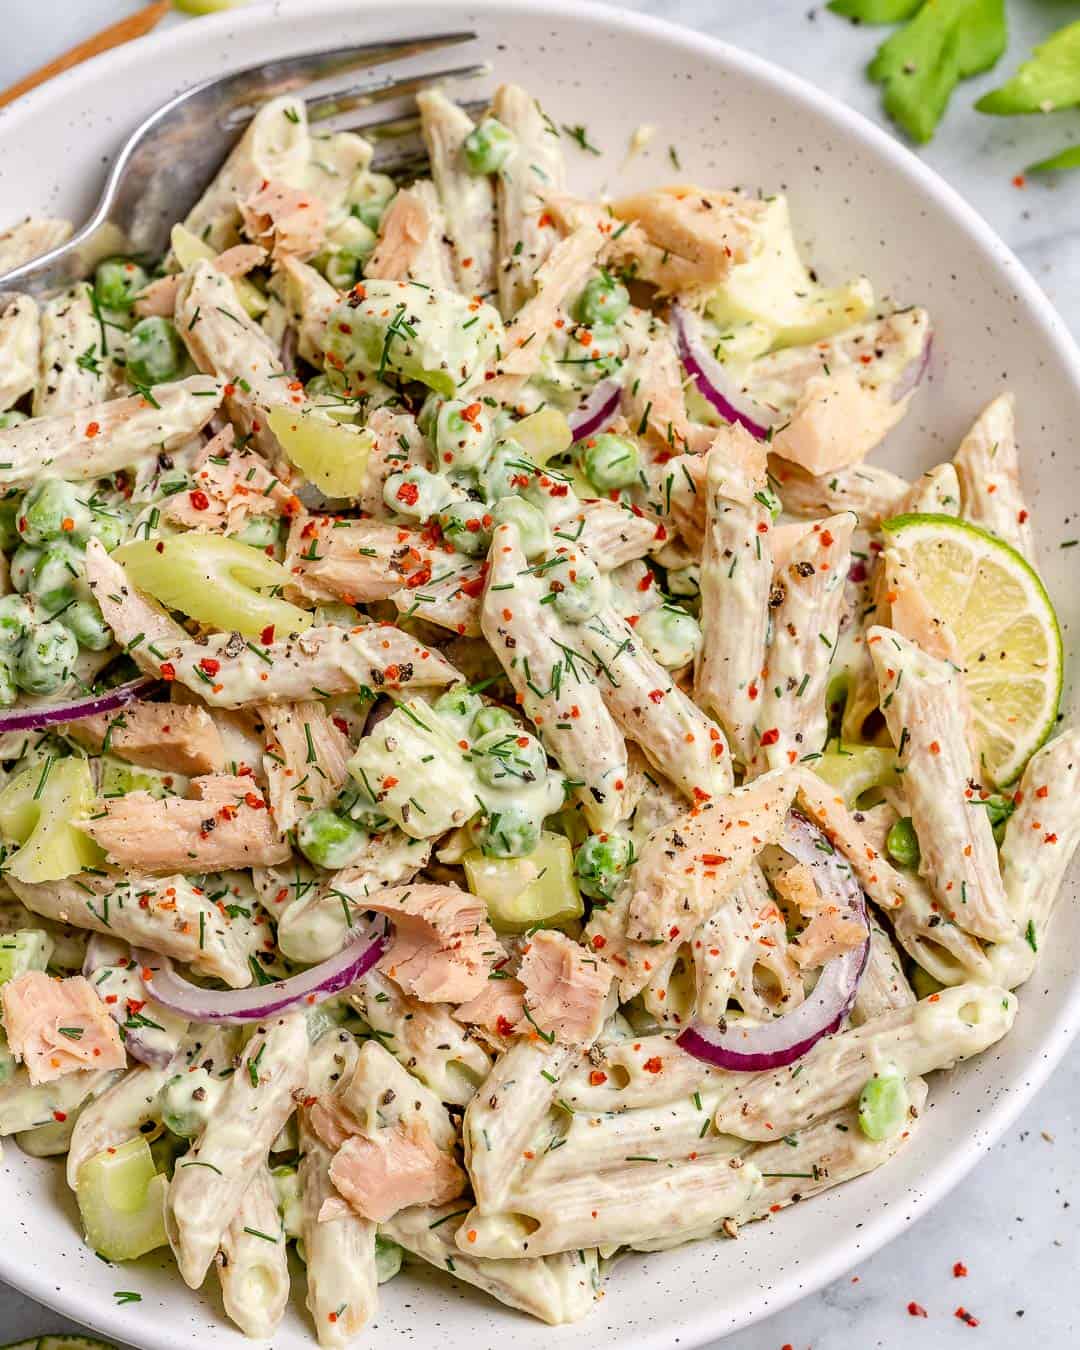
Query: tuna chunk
x=172, y=737
x=284, y=220
x=397, y=1168
x=499, y=1009
x=59, y=1026
x=566, y=988
x=443, y=948
x=698, y=234
x=412, y=241
x=305, y=760
x=830, y=931
x=224, y=824
x=230, y=487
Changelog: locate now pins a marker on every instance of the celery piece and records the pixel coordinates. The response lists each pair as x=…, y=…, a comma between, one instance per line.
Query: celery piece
x=216, y=580
x=121, y=1200
x=1048, y=80
x=27, y=949
x=855, y=769
x=119, y=777
x=536, y=891
x=543, y=434
x=189, y=249
x=883, y=1103
x=1064, y=159
x=388, y=1258
x=333, y=455
x=37, y=811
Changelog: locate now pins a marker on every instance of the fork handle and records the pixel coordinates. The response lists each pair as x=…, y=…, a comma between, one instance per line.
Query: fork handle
x=134, y=26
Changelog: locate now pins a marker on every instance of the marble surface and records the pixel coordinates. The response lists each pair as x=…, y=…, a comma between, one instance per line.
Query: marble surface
x=1010, y=1224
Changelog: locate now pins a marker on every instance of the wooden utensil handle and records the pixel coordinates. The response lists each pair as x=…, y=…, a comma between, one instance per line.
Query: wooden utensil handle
x=135, y=25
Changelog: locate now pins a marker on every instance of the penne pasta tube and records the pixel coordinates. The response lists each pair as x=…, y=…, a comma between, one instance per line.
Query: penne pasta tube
x=252, y=1261
x=75, y=362
x=468, y=199
x=927, y=713
x=988, y=467
x=934, y=1033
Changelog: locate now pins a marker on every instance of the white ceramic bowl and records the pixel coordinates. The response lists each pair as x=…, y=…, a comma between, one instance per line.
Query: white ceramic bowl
x=860, y=203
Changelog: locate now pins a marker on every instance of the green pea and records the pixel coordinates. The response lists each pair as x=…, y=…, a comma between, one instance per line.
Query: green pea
x=491, y=718
x=464, y=433
x=902, y=843
x=467, y=525
x=55, y=573
x=117, y=281
x=883, y=1104
x=592, y=354
x=685, y=582
x=509, y=833
x=45, y=659
x=16, y=620
x=602, y=301
x=671, y=635
x=187, y=1101
x=154, y=351
x=12, y=418
x=509, y=758
x=329, y=840
x=53, y=509
x=611, y=461
x=370, y=213
x=459, y=707
x=416, y=492
x=577, y=597
x=85, y=620
x=600, y=863
x=506, y=466
x=23, y=562
x=10, y=507
x=341, y=268
x=533, y=529
x=488, y=146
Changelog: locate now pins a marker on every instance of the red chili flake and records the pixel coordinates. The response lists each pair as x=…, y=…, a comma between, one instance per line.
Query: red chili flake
x=597, y=1077
x=67, y=524
x=1043, y=791
x=959, y=1270
x=199, y=500
x=935, y=748
x=408, y=493
x=61, y=1116
x=473, y=587
x=504, y=1026
x=646, y=582
x=700, y=795
x=654, y=1065
x=771, y=736
x=713, y=859
x=168, y=671
x=254, y=801
x=267, y=635
x=826, y=538
x=208, y=664
x=92, y=428
x=656, y=695
x=966, y=1317
x=916, y=1310
x=1049, y=838
x=1019, y=181
x=599, y=942
x=752, y=691
x=391, y=673
x=389, y=782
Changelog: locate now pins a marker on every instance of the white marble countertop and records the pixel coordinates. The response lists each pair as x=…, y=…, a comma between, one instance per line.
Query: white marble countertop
x=1010, y=1223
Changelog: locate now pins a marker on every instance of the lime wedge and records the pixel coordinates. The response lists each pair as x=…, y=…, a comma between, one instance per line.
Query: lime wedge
x=1004, y=625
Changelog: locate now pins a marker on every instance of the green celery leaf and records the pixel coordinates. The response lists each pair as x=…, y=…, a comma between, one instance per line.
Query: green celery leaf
x=1066, y=159
x=1048, y=80
x=875, y=11
x=921, y=64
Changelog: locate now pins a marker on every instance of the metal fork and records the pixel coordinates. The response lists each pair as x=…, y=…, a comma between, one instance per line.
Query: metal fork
x=168, y=160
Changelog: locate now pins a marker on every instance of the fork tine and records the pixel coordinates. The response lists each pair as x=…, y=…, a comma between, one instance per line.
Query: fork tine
x=240, y=94
x=362, y=96
x=400, y=150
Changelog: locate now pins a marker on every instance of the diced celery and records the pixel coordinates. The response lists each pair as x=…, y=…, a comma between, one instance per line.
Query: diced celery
x=37, y=811
x=214, y=580
x=543, y=434
x=118, y=777
x=537, y=891
x=332, y=454
x=287, y=1189
x=28, y=949
x=422, y=779
x=121, y=1200
x=189, y=249
x=855, y=769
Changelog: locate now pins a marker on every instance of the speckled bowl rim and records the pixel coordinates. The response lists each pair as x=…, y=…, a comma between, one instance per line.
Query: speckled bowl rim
x=687, y=1330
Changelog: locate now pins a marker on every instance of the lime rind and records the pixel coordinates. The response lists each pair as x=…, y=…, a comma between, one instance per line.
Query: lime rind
x=1036, y=616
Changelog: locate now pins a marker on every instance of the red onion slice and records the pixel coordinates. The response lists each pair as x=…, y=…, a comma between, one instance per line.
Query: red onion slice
x=915, y=369
x=31, y=719
x=597, y=411
x=713, y=382
x=253, y=1005
x=771, y=1045
x=145, y=1038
